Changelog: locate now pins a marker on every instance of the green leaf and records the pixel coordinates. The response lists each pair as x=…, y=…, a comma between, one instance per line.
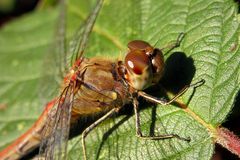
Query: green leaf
x=208, y=51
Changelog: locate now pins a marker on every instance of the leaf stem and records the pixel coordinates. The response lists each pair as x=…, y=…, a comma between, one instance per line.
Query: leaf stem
x=228, y=140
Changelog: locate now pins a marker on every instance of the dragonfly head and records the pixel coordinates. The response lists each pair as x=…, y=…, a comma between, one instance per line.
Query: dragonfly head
x=144, y=64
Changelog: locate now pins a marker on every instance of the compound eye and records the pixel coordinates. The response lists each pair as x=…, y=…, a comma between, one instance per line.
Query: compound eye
x=139, y=45
x=158, y=65
x=157, y=60
x=137, y=62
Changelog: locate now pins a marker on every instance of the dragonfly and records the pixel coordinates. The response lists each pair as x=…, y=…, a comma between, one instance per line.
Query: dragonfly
x=92, y=86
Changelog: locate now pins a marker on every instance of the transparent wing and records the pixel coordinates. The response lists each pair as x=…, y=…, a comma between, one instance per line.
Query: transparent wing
x=79, y=41
x=56, y=131
x=54, y=62
x=60, y=43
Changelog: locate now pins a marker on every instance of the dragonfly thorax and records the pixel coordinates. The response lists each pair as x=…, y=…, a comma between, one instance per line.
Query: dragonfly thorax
x=144, y=64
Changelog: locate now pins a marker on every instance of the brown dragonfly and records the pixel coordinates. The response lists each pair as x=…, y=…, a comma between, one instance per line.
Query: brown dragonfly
x=91, y=86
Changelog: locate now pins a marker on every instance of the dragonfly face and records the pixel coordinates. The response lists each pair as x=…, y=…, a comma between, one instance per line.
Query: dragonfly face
x=144, y=64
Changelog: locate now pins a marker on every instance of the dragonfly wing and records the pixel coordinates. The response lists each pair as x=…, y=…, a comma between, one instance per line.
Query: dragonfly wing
x=80, y=39
x=54, y=61
x=60, y=41
x=56, y=131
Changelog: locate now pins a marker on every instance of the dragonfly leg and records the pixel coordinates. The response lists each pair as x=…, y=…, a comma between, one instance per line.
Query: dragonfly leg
x=158, y=137
x=164, y=102
x=175, y=44
x=92, y=126
x=169, y=47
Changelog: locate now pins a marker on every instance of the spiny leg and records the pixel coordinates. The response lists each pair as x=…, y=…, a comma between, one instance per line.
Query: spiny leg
x=159, y=101
x=139, y=132
x=164, y=102
x=175, y=44
x=92, y=126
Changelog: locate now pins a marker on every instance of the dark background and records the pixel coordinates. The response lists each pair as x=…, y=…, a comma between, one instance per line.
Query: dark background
x=10, y=9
